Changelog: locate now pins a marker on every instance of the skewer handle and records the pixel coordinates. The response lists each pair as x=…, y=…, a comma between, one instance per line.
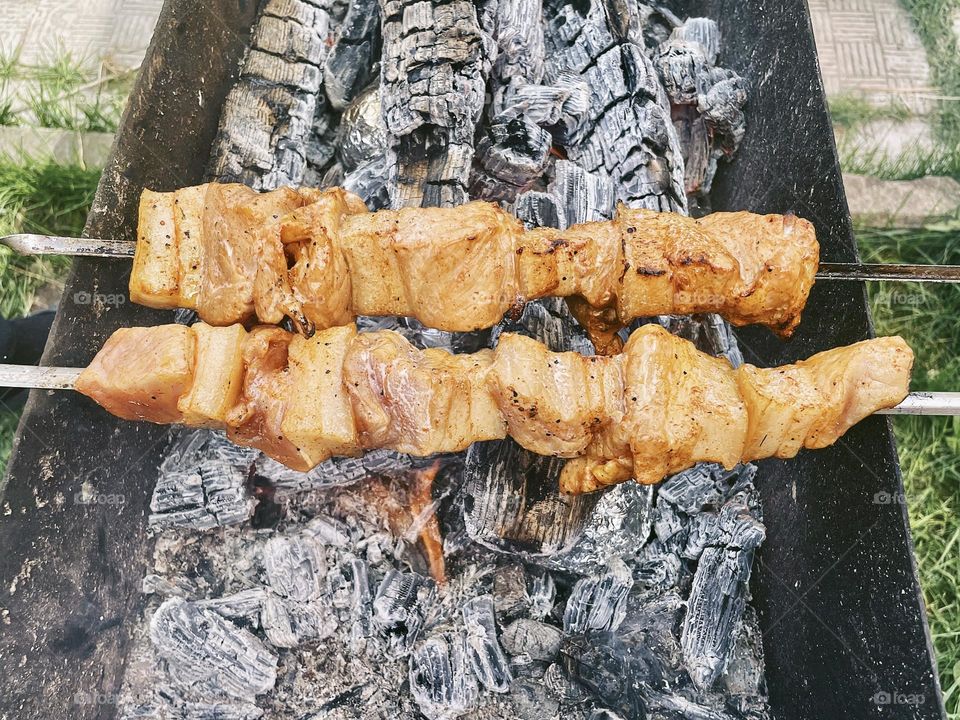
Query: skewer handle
x=32, y=244
x=33, y=376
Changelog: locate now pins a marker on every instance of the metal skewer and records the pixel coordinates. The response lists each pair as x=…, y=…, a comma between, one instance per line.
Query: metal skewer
x=32, y=244
x=62, y=378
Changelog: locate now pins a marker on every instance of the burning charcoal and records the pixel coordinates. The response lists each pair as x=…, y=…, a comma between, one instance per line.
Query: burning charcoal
x=722, y=107
x=537, y=209
x=210, y=654
x=542, y=596
x=537, y=640
x=328, y=531
x=560, y=108
x=294, y=567
x=628, y=135
x=202, y=484
x=581, y=196
x=599, y=602
x=603, y=714
x=400, y=608
x=277, y=624
x=710, y=333
x=483, y=650
x=348, y=67
x=708, y=101
x=510, y=591
x=718, y=595
x=618, y=526
x=243, y=606
x=439, y=679
x=510, y=156
x=622, y=675
x=320, y=146
x=269, y=123
x=335, y=472
x=659, y=569
x=744, y=674
x=512, y=503
x=361, y=599
x=558, y=685
x=516, y=28
x=654, y=619
x=155, y=585
x=531, y=700
x=434, y=63
x=219, y=711
x=678, y=706
x=551, y=323
x=194, y=711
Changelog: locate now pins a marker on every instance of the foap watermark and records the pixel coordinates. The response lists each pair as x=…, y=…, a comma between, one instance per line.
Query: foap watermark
x=83, y=297
x=882, y=697
x=886, y=498
x=88, y=497
x=905, y=298
x=93, y=697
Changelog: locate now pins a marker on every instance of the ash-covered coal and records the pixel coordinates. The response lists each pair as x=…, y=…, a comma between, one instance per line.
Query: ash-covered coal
x=707, y=103
x=387, y=586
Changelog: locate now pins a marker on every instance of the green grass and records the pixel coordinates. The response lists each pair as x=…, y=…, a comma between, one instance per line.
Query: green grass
x=850, y=111
x=61, y=93
x=45, y=198
x=36, y=197
x=926, y=316
x=933, y=20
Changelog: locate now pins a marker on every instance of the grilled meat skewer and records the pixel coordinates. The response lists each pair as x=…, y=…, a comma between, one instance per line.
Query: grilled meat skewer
x=320, y=258
x=656, y=409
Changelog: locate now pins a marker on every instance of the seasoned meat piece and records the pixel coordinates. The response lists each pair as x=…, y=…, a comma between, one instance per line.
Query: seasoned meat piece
x=812, y=403
x=419, y=401
x=141, y=373
x=451, y=268
x=554, y=403
x=256, y=419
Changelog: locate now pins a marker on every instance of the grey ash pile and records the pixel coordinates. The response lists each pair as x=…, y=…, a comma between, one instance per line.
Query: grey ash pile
x=462, y=586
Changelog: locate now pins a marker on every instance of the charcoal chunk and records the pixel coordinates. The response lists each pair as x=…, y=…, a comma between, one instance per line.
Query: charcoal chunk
x=719, y=594
x=295, y=567
x=628, y=136
x=599, y=602
x=486, y=657
x=534, y=639
x=400, y=608
x=542, y=595
x=434, y=65
x=209, y=653
x=349, y=65
x=440, y=681
x=509, y=157
x=202, y=483
x=620, y=674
